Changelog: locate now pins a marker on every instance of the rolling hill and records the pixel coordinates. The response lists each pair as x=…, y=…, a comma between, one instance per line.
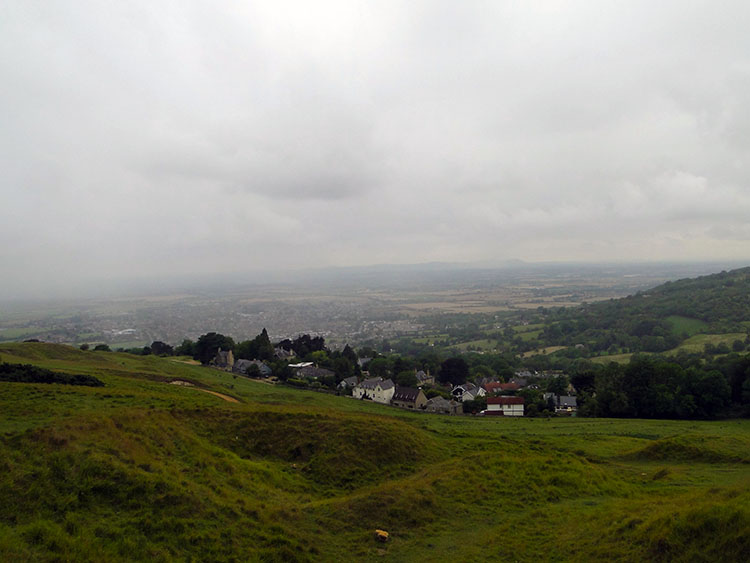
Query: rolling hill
x=159, y=464
x=658, y=319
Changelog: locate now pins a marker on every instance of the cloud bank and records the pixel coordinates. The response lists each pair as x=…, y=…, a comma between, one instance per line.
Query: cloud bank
x=160, y=138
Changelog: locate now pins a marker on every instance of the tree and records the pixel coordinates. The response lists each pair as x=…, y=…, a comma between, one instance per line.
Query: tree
x=378, y=367
x=102, y=348
x=84, y=346
x=454, y=371
x=159, y=348
x=343, y=368
x=187, y=348
x=406, y=378
x=208, y=344
x=350, y=355
x=558, y=385
x=476, y=405
x=265, y=349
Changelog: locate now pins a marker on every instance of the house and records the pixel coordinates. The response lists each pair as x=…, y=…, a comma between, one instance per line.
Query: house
x=283, y=353
x=301, y=365
x=375, y=389
x=348, y=383
x=424, y=378
x=241, y=366
x=492, y=387
x=440, y=405
x=311, y=372
x=520, y=381
x=223, y=359
x=504, y=406
x=467, y=392
x=408, y=398
x=363, y=362
x=505, y=387
x=474, y=393
x=564, y=404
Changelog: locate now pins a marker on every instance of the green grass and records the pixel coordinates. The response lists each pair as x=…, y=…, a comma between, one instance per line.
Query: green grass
x=528, y=328
x=698, y=342
x=482, y=344
x=16, y=333
x=617, y=358
x=686, y=325
x=145, y=470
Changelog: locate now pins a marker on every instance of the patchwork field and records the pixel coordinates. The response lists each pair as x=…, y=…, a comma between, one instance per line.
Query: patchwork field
x=146, y=469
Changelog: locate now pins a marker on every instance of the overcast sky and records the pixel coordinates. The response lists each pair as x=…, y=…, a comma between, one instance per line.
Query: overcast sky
x=153, y=138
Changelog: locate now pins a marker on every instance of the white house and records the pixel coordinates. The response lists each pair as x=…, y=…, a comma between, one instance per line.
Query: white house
x=504, y=406
x=376, y=390
x=467, y=392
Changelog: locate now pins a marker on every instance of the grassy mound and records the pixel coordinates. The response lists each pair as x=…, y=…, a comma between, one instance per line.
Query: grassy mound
x=135, y=486
x=330, y=449
x=718, y=523
x=691, y=448
x=45, y=351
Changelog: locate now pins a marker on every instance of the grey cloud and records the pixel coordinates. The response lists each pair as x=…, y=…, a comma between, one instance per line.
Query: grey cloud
x=382, y=132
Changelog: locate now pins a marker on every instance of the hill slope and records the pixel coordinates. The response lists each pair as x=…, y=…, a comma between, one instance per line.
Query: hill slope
x=141, y=469
x=658, y=319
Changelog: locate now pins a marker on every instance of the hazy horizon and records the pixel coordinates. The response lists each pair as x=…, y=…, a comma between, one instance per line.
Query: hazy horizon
x=153, y=141
x=370, y=275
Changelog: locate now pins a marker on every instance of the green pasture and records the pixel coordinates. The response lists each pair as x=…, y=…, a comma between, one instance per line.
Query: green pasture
x=528, y=328
x=617, y=358
x=698, y=342
x=142, y=469
x=9, y=334
x=483, y=345
x=686, y=325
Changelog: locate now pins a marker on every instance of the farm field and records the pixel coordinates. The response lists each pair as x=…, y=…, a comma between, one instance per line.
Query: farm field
x=145, y=469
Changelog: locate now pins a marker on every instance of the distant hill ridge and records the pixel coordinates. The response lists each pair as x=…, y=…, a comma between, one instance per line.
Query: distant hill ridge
x=658, y=319
x=717, y=297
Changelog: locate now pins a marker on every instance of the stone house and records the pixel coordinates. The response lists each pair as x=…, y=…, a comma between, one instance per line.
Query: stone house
x=439, y=405
x=409, y=398
x=223, y=359
x=241, y=366
x=424, y=378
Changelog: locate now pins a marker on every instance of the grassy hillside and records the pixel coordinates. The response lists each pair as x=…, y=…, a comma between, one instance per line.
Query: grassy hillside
x=659, y=319
x=145, y=469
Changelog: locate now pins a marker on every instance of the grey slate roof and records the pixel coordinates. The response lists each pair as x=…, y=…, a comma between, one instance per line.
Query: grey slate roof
x=349, y=381
x=406, y=394
x=370, y=383
x=241, y=365
x=311, y=372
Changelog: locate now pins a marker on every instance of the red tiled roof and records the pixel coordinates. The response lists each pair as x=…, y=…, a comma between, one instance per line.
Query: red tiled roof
x=504, y=400
x=509, y=386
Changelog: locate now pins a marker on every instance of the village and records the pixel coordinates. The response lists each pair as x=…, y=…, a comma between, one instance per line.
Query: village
x=497, y=398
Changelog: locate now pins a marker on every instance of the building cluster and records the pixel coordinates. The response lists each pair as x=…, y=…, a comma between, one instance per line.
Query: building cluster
x=386, y=392
x=500, y=396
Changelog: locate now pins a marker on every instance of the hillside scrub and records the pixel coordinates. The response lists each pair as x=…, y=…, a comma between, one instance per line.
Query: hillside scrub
x=27, y=373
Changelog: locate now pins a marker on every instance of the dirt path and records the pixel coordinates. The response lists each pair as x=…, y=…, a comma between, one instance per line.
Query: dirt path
x=222, y=395
x=182, y=383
